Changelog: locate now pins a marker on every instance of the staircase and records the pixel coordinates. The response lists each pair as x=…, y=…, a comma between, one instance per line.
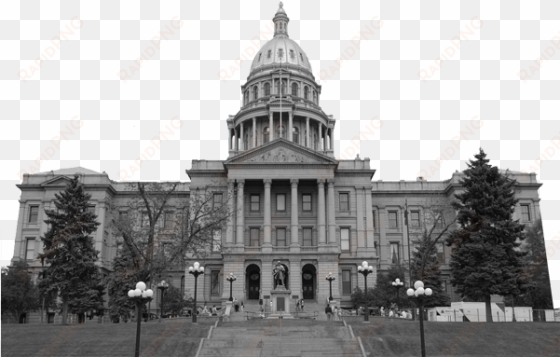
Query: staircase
x=253, y=306
x=281, y=338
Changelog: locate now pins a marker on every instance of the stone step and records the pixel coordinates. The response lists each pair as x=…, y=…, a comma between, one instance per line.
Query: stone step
x=230, y=352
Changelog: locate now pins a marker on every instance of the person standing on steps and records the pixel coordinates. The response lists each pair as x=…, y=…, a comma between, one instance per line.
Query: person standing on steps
x=302, y=304
x=328, y=311
x=242, y=307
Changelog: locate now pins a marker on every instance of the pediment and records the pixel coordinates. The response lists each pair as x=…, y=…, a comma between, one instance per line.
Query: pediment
x=281, y=151
x=57, y=181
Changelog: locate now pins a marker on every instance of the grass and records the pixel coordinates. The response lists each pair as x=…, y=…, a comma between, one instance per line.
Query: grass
x=177, y=337
x=392, y=337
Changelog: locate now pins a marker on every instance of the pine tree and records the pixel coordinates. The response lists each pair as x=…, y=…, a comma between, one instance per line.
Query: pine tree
x=486, y=259
x=431, y=273
x=19, y=293
x=124, y=277
x=69, y=253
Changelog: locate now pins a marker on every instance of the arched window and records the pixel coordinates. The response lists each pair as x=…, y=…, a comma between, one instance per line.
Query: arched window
x=283, y=87
x=269, y=53
x=292, y=55
x=260, y=55
x=280, y=132
x=267, y=88
x=295, y=135
x=315, y=97
x=255, y=92
x=301, y=56
x=280, y=53
x=266, y=134
x=306, y=93
x=294, y=89
x=246, y=142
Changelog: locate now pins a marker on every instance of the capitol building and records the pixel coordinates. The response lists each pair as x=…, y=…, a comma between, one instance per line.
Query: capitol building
x=295, y=204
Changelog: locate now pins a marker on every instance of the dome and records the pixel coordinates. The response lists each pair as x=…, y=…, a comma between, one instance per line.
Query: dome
x=281, y=49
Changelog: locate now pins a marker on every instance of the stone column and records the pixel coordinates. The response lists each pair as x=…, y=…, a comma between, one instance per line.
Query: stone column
x=321, y=212
x=236, y=139
x=321, y=138
x=271, y=127
x=230, y=223
x=294, y=239
x=332, y=222
x=19, y=233
x=267, y=246
x=240, y=214
x=307, y=132
x=254, y=132
x=370, y=236
x=242, y=137
x=290, y=128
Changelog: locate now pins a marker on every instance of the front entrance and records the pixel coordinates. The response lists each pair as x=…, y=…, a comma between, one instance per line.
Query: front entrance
x=308, y=281
x=253, y=282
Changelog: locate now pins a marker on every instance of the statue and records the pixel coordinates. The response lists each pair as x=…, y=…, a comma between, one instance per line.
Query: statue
x=279, y=274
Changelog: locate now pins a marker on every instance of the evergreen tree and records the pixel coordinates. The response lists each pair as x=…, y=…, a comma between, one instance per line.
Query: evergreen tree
x=429, y=271
x=486, y=259
x=19, y=293
x=384, y=293
x=69, y=252
x=124, y=277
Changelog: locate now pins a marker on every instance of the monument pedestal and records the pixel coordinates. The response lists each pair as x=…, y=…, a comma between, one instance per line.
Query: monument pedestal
x=280, y=303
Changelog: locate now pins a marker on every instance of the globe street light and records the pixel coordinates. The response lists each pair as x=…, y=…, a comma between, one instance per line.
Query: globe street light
x=140, y=296
x=419, y=294
x=195, y=270
x=397, y=284
x=162, y=286
x=231, y=278
x=365, y=270
x=330, y=278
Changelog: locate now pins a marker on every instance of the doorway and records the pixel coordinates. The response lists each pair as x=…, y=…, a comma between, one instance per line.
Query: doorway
x=308, y=280
x=253, y=282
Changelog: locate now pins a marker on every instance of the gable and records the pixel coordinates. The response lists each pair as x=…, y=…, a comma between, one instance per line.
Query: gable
x=281, y=151
x=57, y=181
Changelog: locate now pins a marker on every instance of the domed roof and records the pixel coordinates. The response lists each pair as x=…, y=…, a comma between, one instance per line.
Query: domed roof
x=281, y=49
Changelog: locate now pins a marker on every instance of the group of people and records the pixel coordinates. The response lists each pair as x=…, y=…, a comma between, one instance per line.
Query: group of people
x=333, y=313
x=394, y=311
x=206, y=312
x=238, y=306
x=300, y=305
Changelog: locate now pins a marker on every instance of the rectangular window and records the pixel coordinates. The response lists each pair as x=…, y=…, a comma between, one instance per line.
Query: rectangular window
x=306, y=202
x=30, y=249
x=346, y=282
x=525, y=213
x=255, y=237
x=168, y=224
x=395, y=257
x=343, y=202
x=280, y=202
x=217, y=241
x=307, y=237
x=217, y=201
x=119, y=248
x=393, y=220
x=344, y=238
x=215, y=283
x=91, y=209
x=281, y=237
x=33, y=214
x=255, y=203
x=374, y=221
x=415, y=219
x=441, y=253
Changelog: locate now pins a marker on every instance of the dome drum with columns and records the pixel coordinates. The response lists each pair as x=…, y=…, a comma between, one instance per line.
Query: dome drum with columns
x=281, y=99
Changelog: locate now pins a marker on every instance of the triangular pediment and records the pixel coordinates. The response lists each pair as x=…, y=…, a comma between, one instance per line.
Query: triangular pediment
x=281, y=151
x=57, y=181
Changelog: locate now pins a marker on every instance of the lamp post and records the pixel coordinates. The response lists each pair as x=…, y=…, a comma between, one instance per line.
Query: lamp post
x=140, y=296
x=419, y=293
x=162, y=286
x=397, y=284
x=365, y=270
x=330, y=278
x=195, y=271
x=231, y=278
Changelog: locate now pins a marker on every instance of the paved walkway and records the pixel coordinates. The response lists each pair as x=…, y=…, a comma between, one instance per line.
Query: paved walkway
x=253, y=306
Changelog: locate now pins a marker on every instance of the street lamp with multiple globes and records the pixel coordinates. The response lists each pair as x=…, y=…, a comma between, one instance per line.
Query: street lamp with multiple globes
x=419, y=294
x=162, y=286
x=365, y=270
x=397, y=284
x=231, y=278
x=140, y=296
x=330, y=278
x=195, y=271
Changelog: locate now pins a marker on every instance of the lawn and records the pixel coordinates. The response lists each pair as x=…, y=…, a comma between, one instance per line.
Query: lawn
x=173, y=337
x=393, y=337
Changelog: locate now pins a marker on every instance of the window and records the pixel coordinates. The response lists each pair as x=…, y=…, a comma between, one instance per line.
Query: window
x=217, y=241
x=295, y=135
x=255, y=237
x=33, y=214
x=30, y=249
x=91, y=209
x=215, y=283
x=168, y=220
x=217, y=201
x=395, y=253
x=314, y=97
x=307, y=237
x=281, y=202
x=343, y=202
x=344, y=238
x=306, y=93
x=245, y=142
x=280, y=52
x=441, y=253
x=255, y=92
x=269, y=54
x=260, y=55
x=145, y=221
x=294, y=89
x=315, y=141
x=266, y=135
x=393, y=221
x=306, y=202
x=374, y=220
x=255, y=203
x=283, y=87
x=267, y=88
x=292, y=55
x=346, y=282
x=119, y=248
x=525, y=213
x=280, y=132
x=415, y=219
x=301, y=56
x=281, y=237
